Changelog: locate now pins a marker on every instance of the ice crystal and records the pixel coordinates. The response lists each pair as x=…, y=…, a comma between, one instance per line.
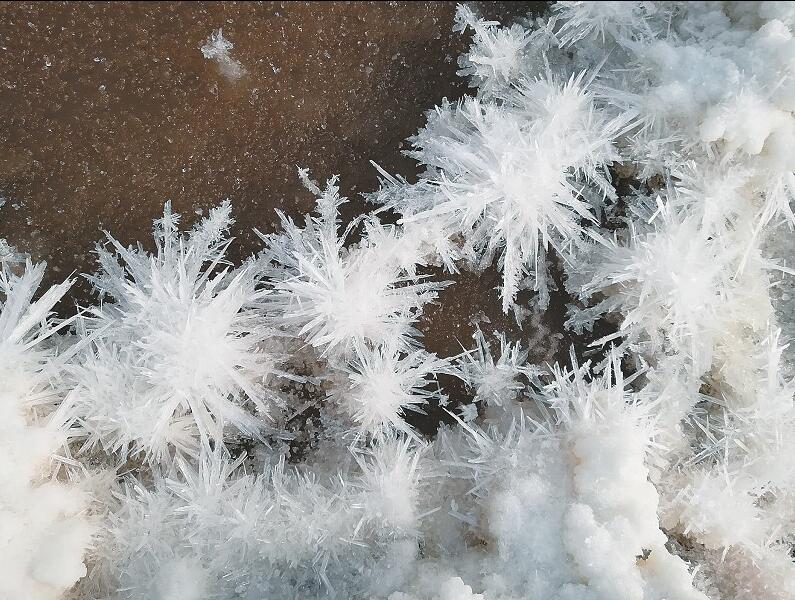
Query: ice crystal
x=205, y=431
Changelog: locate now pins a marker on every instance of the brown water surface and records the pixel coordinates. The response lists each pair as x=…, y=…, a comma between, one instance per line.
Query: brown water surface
x=109, y=109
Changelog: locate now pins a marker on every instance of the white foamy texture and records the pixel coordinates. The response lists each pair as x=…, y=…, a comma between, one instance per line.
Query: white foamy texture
x=43, y=531
x=576, y=517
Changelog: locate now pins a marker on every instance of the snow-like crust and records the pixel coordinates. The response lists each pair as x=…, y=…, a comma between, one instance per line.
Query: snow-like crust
x=207, y=431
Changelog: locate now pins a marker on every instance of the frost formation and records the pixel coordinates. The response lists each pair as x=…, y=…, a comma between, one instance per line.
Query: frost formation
x=212, y=431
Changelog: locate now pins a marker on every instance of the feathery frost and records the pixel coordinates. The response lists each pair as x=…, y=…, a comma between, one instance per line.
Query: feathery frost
x=212, y=432
x=337, y=296
x=179, y=352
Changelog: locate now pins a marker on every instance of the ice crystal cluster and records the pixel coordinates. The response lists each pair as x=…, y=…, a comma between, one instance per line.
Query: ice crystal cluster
x=272, y=430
